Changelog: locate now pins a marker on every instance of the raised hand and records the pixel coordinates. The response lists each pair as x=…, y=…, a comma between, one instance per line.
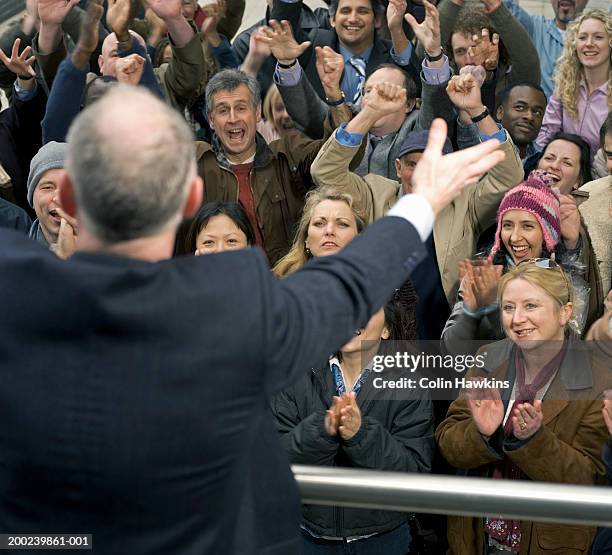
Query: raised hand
x=441, y=178
x=395, y=13
x=384, y=99
x=570, y=221
x=485, y=52
x=486, y=406
x=258, y=48
x=89, y=35
x=209, y=27
x=53, y=12
x=481, y=280
x=19, y=64
x=118, y=17
x=157, y=27
x=130, y=69
x=527, y=419
x=464, y=92
x=330, y=65
x=279, y=37
x=350, y=417
x=166, y=9
x=428, y=32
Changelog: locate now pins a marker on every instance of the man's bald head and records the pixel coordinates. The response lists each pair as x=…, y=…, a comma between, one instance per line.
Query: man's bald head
x=131, y=161
x=107, y=60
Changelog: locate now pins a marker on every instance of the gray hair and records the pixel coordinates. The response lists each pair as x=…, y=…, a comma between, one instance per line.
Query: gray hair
x=131, y=159
x=229, y=80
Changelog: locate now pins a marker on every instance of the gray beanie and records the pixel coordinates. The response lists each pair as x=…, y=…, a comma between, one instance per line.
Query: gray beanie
x=51, y=156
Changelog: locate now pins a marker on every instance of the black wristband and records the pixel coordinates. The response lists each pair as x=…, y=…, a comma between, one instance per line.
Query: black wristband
x=332, y=103
x=287, y=66
x=480, y=117
x=25, y=77
x=435, y=58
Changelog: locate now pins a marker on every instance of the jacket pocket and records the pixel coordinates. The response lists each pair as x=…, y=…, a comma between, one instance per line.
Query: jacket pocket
x=563, y=539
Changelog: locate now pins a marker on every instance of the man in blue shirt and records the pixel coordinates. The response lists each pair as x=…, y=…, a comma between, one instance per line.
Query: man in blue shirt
x=548, y=35
x=353, y=34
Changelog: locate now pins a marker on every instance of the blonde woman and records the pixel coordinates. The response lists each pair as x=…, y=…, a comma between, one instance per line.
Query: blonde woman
x=329, y=221
x=545, y=424
x=582, y=96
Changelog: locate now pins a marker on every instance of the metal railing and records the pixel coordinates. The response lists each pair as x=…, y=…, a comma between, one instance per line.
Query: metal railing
x=449, y=495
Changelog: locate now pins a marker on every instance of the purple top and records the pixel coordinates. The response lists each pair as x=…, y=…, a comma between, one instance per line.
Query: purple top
x=592, y=112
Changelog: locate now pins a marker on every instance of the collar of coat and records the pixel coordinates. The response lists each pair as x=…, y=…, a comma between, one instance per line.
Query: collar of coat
x=575, y=372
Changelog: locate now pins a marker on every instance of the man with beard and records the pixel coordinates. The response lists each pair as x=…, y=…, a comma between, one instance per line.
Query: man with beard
x=520, y=109
x=548, y=35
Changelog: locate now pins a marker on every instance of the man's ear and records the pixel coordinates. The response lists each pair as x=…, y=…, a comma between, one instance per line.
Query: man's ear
x=66, y=195
x=499, y=114
x=258, y=112
x=378, y=21
x=410, y=104
x=398, y=167
x=385, y=334
x=194, y=198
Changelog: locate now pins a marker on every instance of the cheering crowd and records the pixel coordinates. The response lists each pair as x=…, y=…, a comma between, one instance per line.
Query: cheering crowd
x=143, y=133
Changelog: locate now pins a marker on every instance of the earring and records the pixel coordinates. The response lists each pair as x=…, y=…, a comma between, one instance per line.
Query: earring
x=308, y=253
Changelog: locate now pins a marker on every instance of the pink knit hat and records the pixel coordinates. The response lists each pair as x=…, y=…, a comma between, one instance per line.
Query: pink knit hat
x=534, y=195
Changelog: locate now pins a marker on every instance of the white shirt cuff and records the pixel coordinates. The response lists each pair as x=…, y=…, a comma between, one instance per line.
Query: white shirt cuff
x=417, y=210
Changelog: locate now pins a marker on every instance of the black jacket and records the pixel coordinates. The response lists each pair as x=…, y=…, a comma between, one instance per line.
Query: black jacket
x=396, y=434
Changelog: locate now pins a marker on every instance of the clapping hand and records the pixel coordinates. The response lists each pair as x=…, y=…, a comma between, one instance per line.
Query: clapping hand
x=479, y=283
x=486, y=406
x=527, y=419
x=350, y=417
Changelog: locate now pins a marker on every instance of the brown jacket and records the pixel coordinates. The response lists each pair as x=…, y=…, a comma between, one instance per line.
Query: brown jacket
x=567, y=449
x=279, y=181
x=456, y=228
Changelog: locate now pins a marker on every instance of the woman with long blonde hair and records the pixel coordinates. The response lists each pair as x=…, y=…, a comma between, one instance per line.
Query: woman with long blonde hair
x=583, y=96
x=329, y=221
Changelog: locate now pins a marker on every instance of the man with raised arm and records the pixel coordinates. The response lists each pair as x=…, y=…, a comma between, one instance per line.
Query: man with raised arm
x=457, y=227
x=134, y=399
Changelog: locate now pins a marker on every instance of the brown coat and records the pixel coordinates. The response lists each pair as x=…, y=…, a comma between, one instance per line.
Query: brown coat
x=279, y=181
x=567, y=449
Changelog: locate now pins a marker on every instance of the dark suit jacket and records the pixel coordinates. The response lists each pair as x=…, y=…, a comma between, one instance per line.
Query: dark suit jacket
x=135, y=396
x=381, y=53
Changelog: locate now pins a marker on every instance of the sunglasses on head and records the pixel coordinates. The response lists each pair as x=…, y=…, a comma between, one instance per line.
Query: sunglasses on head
x=549, y=264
